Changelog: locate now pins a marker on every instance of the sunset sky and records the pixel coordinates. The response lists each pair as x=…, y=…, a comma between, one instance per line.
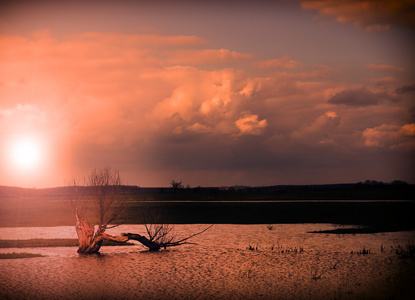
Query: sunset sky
x=209, y=93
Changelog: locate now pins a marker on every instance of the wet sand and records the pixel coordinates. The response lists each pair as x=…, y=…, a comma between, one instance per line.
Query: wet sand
x=221, y=266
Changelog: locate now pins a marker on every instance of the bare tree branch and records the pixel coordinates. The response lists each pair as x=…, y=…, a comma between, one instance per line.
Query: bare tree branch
x=163, y=237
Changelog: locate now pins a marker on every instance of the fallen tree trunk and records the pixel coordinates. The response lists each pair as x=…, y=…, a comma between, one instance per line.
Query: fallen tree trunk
x=91, y=241
x=119, y=239
x=161, y=237
x=143, y=240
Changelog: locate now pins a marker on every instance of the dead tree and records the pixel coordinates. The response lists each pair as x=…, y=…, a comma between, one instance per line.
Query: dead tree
x=101, y=194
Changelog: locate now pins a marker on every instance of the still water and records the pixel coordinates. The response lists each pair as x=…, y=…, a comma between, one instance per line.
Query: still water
x=287, y=262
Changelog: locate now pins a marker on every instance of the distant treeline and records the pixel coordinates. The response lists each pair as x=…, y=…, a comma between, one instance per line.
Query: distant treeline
x=227, y=205
x=367, y=190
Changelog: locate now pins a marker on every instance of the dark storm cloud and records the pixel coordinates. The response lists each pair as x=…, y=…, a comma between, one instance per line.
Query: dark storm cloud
x=361, y=97
x=405, y=89
x=373, y=15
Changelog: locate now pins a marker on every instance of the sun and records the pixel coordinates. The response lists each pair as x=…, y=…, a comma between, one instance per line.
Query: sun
x=26, y=153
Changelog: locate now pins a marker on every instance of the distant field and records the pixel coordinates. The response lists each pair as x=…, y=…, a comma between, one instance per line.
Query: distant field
x=356, y=191
x=29, y=207
x=387, y=216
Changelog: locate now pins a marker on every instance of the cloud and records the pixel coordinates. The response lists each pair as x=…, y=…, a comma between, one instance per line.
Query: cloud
x=371, y=15
x=385, y=68
x=319, y=131
x=199, y=128
x=383, y=81
x=279, y=63
x=360, y=97
x=211, y=98
x=132, y=101
x=139, y=40
x=250, y=125
x=405, y=89
x=391, y=136
x=204, y=56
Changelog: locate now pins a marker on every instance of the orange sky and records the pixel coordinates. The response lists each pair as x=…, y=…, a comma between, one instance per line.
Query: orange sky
x=235, y=93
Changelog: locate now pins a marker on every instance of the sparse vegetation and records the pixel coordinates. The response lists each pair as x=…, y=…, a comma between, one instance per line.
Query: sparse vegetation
x=316, y=272
x=15, y=255
x=405, y=251
x=32, y=243
x=364, y=251
x=252, y=248
x=276, y=249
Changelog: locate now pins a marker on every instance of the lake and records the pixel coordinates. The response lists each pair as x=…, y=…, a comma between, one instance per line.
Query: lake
x=285, y=262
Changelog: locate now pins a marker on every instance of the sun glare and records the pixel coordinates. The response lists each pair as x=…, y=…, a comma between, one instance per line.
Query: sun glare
x=26, y=153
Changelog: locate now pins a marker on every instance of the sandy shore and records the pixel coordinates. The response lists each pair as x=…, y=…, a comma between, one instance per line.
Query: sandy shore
x=226, y=274
x=221, y=267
